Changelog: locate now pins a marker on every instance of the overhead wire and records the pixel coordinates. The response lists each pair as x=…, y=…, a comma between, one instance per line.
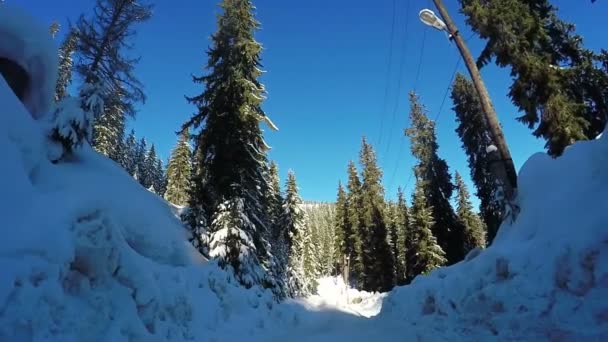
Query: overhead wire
x=445, y=95
x=388, y=73
x=416, y=80
x=401, y=66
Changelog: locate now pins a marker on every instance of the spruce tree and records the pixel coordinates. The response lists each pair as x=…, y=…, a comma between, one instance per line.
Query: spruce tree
x=109, y=129
x=474, y=228
x=148, y=171
x=402, y=224
x=561, y=87
x=434, y=177
x=179, y=171
x=275, y=202
x=296, y=238
x=66, y=63
x=233, y=247
x=392, y=228
x=358, y=260
x=160, y=178
x=130, y=152
x=423, y=252
x=54, y=28
x=378, y=266
x=230, y=144
x=140, y=160
x=109, y=83
x=344, y=244
x=473, y=132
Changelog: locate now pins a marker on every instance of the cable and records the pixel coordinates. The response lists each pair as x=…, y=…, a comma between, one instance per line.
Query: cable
x=401, y=65
x=447, y=90
x=388, y=73
x=422, y=45
x=445, y=95
x=421, y=57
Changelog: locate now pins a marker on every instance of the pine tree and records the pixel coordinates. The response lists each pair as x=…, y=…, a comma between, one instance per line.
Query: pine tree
x=54, y=28
x=179, y=171
x=561, y=87
x=296, y=238
x=66, y=63
x=233, y=246
x=130, y=152
x=355, y=206
x=147, y=171
x=474, y=228
x=473, y=132
x=423, y=252
x=140, y=161
x=231, y=147
x=436, y=181
x=106, y=71
x=403, y=231
x=160, y=178
x=393, y=241
x=109, y=129
x=275, y=203
x=378, y=266
x=344, y=244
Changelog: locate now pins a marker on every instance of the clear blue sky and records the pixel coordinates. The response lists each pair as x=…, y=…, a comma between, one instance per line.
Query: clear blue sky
x=329, y=77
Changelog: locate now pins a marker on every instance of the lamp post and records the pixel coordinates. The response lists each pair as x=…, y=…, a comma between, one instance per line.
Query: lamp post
x=502, y=165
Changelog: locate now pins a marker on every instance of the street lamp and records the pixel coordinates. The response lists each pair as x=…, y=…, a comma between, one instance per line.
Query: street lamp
x=430, y=18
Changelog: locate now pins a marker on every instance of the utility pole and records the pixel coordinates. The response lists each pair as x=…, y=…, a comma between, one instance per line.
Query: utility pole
x=502, y=166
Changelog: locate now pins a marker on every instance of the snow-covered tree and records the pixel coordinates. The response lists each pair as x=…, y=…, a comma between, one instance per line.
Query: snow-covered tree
x=378, y=261
x=130, y=152
x=231, y=243
x=109, y=129
x=355, y=206
x=297, y=238
x=102, y=42
x=474, y=228
x=434, y=177
x=66, y=64
x=343, y=242
x=230, y=148
x=423, y=252
x=179, y=171
x=402, y=223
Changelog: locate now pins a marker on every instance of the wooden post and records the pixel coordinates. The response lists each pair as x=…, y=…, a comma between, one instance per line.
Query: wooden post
x=502, y=167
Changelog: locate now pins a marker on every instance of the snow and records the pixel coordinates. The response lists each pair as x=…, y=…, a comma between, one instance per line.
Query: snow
x=29, y=44
x=87, y=254
x=491, y=148
x=333, y=293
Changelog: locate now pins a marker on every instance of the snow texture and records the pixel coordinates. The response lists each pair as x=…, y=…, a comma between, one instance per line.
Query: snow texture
x=29, y=44
x=87, y=254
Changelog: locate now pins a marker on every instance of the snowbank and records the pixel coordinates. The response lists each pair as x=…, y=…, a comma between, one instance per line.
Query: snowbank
x=29, y=44
x=545, y=276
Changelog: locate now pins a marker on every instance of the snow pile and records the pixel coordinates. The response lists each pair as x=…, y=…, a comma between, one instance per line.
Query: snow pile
x=545, y=276
x=333, y=293
x=28, y=43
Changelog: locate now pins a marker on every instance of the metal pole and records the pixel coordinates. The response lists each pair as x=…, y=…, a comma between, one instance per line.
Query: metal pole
x=503, y=167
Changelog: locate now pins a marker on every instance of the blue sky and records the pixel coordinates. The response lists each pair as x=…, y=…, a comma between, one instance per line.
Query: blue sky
x=329, y=77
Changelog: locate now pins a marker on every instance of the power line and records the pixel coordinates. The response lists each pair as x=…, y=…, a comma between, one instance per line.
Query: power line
x=445, y=95
x=401, y=65
x=422, y=45
x=447, y=90
x=388, y=73
x=421, y=57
